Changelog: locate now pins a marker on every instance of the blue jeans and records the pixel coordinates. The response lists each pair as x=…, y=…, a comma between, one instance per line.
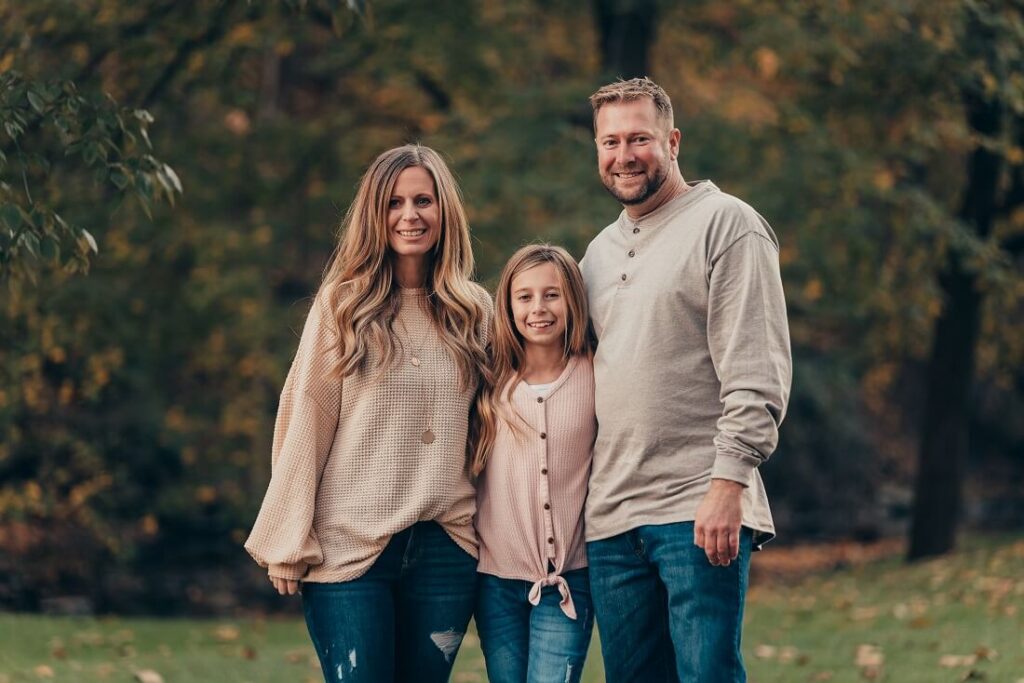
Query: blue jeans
x=663, y=611
x=537, y=644
x=403, y=620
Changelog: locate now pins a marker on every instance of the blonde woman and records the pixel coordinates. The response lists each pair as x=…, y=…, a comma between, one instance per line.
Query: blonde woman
x=534, y=429
x=370, y=504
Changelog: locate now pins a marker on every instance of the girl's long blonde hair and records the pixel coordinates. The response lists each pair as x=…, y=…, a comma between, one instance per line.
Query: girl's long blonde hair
x=507, y=352
x=360, y=280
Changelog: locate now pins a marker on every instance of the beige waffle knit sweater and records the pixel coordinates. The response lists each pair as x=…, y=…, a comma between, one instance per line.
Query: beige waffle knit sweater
x=349, y=468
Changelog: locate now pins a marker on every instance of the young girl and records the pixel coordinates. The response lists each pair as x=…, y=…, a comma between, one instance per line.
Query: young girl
x=534, y=430
x=370, y=503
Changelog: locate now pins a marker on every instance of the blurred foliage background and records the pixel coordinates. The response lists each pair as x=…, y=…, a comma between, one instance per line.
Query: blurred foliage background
x=196, y=157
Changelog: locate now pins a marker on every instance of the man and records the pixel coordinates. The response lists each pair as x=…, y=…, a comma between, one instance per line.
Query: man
x=692, y=376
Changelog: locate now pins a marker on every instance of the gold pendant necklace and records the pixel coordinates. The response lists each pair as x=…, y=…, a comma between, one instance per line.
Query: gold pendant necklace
x=415, y=353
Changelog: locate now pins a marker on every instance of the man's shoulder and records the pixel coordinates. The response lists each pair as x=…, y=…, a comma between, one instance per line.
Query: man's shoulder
x=729, y=218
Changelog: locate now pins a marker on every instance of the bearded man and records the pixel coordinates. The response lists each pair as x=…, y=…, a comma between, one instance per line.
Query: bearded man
x=692, y=375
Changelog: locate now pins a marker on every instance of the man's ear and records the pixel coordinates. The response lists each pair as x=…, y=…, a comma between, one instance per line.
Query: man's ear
x=674, y=136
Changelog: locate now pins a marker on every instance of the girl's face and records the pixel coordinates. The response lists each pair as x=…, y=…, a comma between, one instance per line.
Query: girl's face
x=414, y=217
x=538, y=305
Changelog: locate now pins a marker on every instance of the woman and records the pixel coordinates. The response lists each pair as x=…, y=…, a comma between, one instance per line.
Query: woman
x=370, y=504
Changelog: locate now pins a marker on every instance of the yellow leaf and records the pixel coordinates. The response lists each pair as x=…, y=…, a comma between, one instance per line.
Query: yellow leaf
x=148, y=676
x=767, y=63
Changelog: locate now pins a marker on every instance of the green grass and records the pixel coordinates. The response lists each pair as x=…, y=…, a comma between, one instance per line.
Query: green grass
x=931, y=622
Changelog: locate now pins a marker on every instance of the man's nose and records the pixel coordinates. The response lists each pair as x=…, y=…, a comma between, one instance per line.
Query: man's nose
x=624, y=155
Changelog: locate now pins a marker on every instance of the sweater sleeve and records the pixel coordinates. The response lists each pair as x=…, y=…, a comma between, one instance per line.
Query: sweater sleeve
x=748, y=337
x=283, y=539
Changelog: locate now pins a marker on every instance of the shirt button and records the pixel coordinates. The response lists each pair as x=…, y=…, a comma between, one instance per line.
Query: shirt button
x=540, y=400
x=547, y=506
x=544, y=471
x=636, y=230
x=543, y=435
x=623, y=277
x=551, y=540
x=632, y=253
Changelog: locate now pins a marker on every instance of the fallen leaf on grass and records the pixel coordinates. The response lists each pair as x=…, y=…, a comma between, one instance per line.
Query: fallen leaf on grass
x=295, y=656
x=43, y=671
x=226, y=633
x=822, y=676
x=984, y=652
x=765, y=652
x=787, y=654
x=974, y=675
x=248, y=653
x=148, y=676
x=954, y=661
x=869, y=655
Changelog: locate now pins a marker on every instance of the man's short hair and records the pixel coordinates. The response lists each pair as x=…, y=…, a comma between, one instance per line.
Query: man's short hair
x=634, y=89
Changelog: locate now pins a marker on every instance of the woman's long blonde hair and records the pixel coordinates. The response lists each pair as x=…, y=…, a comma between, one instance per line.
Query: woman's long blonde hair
x=360, y=278
x=507, y=352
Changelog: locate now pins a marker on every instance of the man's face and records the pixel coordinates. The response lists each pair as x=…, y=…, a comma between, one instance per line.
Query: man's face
x=634, y=149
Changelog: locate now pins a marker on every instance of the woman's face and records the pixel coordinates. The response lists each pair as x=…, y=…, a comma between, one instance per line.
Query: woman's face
x=414, y=217
x=538, y=305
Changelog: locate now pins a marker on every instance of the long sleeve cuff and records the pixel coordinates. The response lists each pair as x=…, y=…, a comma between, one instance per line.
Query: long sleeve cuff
x=734, y=467
x=293, y=572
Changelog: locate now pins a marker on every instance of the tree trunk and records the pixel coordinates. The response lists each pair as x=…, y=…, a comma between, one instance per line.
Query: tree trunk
x=626, y=31
x=944, y=438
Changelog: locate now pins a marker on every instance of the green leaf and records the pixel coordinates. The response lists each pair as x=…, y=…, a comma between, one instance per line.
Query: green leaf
x=36, y=101
x=90, y=240
x=169, y=172
x=50, y=250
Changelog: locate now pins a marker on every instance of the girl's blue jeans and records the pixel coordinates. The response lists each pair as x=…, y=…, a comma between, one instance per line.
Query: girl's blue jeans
x=533, y=643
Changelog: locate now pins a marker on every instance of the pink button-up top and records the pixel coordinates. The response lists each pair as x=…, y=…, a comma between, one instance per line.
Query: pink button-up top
x=530, y=496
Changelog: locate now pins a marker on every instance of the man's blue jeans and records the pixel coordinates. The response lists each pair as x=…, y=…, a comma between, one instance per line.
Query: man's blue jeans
x=401, y=621
x=533, y=643
x=663, y=611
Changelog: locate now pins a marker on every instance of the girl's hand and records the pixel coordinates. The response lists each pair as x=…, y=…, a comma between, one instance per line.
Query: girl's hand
x=285, y=586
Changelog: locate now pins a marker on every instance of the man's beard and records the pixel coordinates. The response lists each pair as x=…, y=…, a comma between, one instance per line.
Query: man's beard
x=645, y=191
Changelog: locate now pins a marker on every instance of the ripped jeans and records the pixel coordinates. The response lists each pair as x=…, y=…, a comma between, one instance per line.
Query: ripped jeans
x=401, y=621
x=533, y=643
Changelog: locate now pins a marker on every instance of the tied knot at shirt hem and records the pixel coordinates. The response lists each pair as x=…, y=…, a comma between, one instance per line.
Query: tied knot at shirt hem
x=563, y=588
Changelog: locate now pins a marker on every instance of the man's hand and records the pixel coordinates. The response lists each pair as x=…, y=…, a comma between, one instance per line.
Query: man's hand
x=285, y=586
x=717, y=526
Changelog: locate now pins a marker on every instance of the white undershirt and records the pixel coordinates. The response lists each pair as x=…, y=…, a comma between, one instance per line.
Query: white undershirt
x=541, y=389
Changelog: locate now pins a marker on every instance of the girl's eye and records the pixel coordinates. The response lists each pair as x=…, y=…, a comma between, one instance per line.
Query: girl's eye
x=523, y=297
x=552, y=295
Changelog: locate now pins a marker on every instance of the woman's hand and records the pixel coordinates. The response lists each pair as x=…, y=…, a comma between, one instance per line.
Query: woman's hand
x=285, y=586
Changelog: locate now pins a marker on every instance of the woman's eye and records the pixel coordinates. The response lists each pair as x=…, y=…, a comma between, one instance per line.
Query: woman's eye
x=394, y=204
x=424, y=201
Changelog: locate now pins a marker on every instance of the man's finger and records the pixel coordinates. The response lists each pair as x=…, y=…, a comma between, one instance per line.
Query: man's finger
x=734, y=544
x=711, y=547
x=698, y=536
x=723, y=548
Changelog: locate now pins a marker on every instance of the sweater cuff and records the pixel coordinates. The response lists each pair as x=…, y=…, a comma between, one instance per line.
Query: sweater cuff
x=734, y=468
x=292, y=572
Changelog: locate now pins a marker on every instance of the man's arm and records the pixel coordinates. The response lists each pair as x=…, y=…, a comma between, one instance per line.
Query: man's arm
x=748, y=336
